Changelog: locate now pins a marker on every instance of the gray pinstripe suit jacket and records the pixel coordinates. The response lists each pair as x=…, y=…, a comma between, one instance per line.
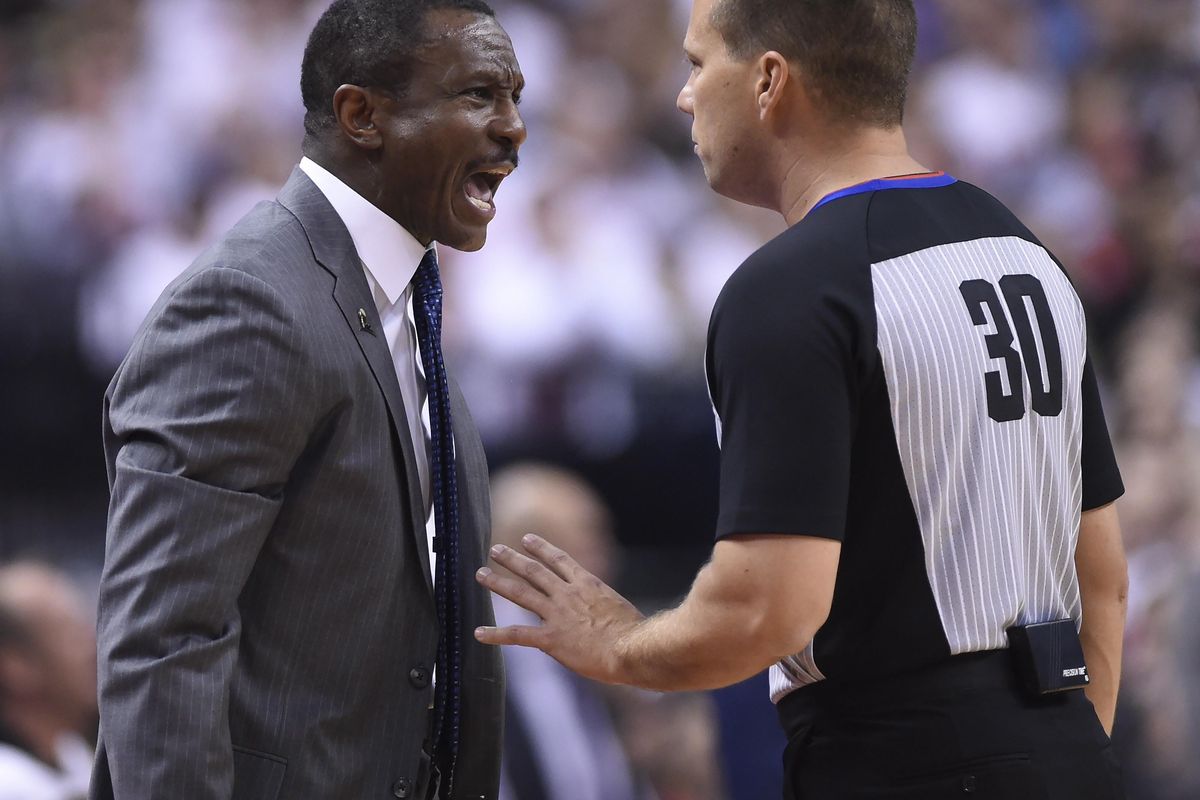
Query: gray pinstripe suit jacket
x=266, y=620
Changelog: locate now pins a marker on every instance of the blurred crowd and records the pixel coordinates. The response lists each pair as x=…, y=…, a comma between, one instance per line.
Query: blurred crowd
x=132, y=132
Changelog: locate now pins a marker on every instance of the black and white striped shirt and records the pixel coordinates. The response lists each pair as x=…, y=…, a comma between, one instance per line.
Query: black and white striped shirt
x=906, y=371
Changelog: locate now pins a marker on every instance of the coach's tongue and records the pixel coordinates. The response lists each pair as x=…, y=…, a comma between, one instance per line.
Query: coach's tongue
x=479, y=191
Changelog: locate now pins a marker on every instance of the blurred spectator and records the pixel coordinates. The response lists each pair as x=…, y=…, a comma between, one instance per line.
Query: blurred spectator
x=671, y=737
x=47, y=686
x=1160, y=455
x=560, y=742
x=751, y=739
x=995, y=105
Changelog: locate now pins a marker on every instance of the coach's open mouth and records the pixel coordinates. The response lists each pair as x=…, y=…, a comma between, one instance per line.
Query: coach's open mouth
x=480, y=187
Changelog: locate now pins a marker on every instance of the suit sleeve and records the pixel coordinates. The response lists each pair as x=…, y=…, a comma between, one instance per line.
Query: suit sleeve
x=1101, y=478
x=783, y=383
x=207, y=415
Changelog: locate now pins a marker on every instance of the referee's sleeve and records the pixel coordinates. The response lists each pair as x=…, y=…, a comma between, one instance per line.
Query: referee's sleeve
x=1101, y=477
x=781, y=374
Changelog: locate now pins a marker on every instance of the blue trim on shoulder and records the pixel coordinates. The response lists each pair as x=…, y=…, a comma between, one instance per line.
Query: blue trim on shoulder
x=882, y=184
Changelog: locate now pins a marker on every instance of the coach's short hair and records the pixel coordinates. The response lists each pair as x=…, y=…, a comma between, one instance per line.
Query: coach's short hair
x=855, y=54
x=365, y=43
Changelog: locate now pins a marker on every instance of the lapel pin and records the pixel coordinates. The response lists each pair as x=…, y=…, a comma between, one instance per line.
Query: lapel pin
x=363, y=322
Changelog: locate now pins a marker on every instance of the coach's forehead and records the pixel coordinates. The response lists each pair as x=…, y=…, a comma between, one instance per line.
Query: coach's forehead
x=472, y=28
x=468, y=28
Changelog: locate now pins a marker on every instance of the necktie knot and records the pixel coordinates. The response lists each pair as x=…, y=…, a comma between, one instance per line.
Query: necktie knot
x=428, y=281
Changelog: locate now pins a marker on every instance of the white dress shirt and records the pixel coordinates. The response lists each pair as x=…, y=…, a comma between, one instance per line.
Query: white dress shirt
x=390, y=257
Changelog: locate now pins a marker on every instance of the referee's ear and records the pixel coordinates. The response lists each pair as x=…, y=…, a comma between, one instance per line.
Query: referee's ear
x=774, y=75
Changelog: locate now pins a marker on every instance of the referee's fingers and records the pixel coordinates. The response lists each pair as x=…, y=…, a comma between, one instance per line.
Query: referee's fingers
x=557, y=560
x=522, y=635
x=516, y=590
x=533, y=571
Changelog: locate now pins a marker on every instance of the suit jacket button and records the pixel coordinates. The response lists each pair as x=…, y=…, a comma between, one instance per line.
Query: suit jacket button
x=402, y=788
x=418, y=677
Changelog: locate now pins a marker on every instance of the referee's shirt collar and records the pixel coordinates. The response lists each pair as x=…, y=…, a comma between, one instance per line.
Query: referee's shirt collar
x=920, y=180
x=389, y=252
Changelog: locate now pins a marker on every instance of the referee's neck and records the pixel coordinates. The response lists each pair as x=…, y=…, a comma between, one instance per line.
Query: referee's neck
x=811, y=172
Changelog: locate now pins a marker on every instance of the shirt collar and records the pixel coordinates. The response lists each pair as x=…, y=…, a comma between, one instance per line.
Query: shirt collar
x=388, y=251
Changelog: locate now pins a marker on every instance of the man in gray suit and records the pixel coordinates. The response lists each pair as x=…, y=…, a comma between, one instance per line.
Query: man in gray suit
x=299, y=496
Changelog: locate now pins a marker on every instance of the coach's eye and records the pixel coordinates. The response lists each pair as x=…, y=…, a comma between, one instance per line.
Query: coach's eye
x=479, y=93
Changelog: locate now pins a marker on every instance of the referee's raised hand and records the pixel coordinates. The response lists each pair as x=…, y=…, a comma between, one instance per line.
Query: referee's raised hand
x=583, y=618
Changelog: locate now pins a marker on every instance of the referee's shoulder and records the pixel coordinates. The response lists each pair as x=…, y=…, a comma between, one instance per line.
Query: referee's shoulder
x=825, y=249
x=905, y=221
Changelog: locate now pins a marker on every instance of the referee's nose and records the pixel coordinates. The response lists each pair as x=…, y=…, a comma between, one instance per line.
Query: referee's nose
x=685, y=102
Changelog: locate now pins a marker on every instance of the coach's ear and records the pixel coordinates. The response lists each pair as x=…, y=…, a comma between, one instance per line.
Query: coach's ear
x=774, y=73
x=354, y=109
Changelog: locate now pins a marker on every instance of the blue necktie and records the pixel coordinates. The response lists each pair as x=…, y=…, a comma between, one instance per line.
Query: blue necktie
x=427, y=302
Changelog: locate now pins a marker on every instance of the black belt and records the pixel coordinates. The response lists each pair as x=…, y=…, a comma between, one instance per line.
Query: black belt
x=992, y=669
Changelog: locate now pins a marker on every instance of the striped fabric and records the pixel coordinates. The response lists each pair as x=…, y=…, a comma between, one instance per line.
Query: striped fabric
x=998, y=503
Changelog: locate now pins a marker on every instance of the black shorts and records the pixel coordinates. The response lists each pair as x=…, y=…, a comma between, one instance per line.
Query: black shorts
x=961, y=729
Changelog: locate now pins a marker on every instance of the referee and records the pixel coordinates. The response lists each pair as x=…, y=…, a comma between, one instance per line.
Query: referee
x=916, y=530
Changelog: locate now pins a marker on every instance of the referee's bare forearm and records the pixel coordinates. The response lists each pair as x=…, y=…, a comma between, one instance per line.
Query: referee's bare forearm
x=1103, y=589
x=760, y=599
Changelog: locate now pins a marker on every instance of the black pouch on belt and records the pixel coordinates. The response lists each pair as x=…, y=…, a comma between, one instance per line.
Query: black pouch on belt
x=1048, y=656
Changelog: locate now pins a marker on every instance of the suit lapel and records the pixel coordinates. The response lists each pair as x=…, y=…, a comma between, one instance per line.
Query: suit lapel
x=335, y=251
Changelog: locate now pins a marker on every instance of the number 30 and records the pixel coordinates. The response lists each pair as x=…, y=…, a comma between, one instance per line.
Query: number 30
x=1046, y=386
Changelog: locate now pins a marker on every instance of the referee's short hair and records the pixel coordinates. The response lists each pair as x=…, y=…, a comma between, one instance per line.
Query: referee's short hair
x=854, y=54
x=366, y=43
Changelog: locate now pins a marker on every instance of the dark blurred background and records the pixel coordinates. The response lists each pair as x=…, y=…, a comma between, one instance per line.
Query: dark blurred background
x=132, y=132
